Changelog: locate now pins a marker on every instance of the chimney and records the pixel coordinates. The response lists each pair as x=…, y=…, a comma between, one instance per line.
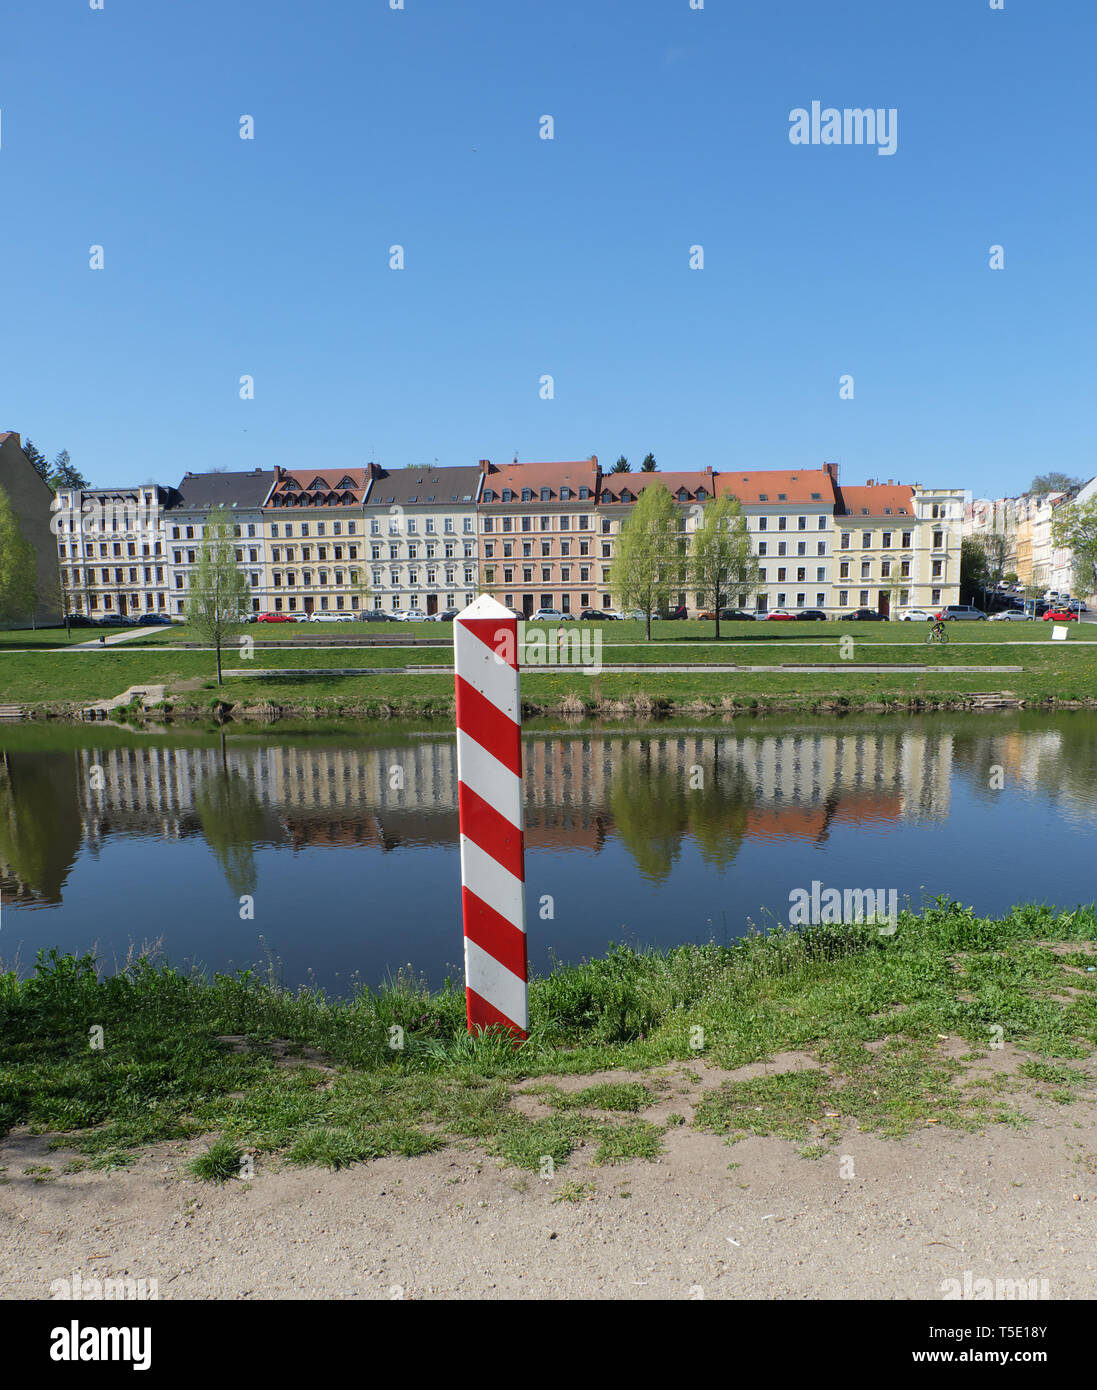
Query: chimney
x=14, y=434
x=279, y=472
x=890, y=483
x=832, y=469
x=485, y=465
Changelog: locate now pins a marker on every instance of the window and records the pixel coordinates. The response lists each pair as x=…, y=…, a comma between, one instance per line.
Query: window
x=907, y=539
x=843, y=598
x=801, y=523
x=866, y=540
x=782, y=523
x=863, y=600
x=938, y=540
x=821, y=548
x=820, y=575
x=936, y=595
x=763, y=523
x=937, y=569
x=845, y=540
x=763, y=547
x=819, y=600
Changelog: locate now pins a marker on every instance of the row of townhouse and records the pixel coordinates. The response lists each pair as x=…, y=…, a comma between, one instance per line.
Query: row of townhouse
x=536, y=535
x=548, y=532
x=1025, y=525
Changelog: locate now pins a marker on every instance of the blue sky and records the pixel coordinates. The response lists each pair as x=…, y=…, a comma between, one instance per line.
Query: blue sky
x=568, y=257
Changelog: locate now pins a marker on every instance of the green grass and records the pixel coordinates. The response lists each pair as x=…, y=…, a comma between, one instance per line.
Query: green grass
x=871, y=1011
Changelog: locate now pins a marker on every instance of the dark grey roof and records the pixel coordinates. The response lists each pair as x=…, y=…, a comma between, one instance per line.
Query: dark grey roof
x=425, y=487
x=239, y=491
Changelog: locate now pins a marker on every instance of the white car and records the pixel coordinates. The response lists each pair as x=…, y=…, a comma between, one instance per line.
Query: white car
x=1012, y=615
x=915, y=615
x=547, y=615
x=330, y=618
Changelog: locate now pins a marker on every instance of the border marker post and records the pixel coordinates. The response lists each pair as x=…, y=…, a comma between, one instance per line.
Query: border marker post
x=489, y=778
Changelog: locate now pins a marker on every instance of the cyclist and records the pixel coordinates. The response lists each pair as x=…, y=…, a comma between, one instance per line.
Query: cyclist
x=938, y=632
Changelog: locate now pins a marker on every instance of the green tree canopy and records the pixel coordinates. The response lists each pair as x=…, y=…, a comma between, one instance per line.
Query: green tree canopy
x=721, y=559
x=1054, y=482
x=648, y=465
x=18, y=569
x=219, y=598
x=1074, y=527
x=649, y=558
x=622, y=466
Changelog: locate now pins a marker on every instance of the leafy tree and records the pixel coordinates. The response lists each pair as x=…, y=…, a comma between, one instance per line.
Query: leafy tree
x=648, y=465
x=232, y=821
x=1011, y=577
x=995, y=549
x=219, y=598
x=18, y=567
x=722, y=561
x=649, y=558
x=1053, y=482
x=622, y=466
x=973, y=569
x=1074, y=527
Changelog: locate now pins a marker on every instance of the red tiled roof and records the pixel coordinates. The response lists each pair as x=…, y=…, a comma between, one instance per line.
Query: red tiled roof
x=616, y=483
x=329, y=477
x=797, y=485
x=894, y=500
x=516, y=476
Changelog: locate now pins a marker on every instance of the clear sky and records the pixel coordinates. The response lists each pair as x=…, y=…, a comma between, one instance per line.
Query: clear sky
x=568, y=257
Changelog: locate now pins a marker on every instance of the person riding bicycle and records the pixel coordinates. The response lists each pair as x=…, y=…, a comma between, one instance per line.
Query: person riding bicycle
x=938, y=632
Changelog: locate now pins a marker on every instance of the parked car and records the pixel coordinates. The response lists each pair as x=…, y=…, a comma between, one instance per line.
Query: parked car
x=1011, y=615
x=674, y=615
x=961, y=613
x=780, y=615
x=1079, y=605
x=330, y=617
x=1060, y=615
x=735, y=615
x=110, y=620
x=810, y=615
x=915, y=615
x=547, y=615
x=446, y=615
x=156, y=620
x=80, y=620
x=594, y=615
x=276, y=618
x=864, y=615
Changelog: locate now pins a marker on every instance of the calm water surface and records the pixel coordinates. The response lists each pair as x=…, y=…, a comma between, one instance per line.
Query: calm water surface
x=347, y=843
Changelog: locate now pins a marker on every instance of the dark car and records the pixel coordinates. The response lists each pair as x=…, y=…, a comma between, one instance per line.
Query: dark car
x=80, y=620
x=447, y=615
x=674, y=615
x=961, y=613
x=735, y=615
x=863, y=615
x=110, y=620
x=373, y=615
x=811, y=615
x=156, y=620
x=593, y=615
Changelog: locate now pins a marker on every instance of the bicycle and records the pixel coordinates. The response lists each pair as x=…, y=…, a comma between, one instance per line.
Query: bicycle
x=938, y=633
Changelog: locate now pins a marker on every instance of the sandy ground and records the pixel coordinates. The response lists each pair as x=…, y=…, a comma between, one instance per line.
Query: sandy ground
x=1005, y=1204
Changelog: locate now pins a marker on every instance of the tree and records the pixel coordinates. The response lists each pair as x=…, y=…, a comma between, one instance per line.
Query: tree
x=622, y=466
x=1074, y=527
x=1054, y=482
x=995, y=548
x=64, y=474
x=18, y=570
x=648, y=562
x=648, y=465
x=219, y=598
x=722, y=561
x=973, y=568
x=38, y=460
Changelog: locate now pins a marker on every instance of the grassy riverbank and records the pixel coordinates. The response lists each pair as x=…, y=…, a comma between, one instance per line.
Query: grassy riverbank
x=293, y=682
x=953, y=1020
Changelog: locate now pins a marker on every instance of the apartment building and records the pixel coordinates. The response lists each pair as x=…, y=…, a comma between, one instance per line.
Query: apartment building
x=314, y=529
x=1026, y=524
x=790, y=517
x=183, y=521
x=538, y=535
x=421, y=530
x=618, y=493
x=110, y=547
x=897, y=546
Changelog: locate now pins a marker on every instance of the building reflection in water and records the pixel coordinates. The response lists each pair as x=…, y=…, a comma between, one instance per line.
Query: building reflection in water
x=652, y=792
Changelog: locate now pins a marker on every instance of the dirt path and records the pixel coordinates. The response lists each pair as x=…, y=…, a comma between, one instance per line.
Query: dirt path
x=1009, y=1204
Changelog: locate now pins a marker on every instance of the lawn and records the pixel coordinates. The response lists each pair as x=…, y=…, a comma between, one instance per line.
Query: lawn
x=889, y=1022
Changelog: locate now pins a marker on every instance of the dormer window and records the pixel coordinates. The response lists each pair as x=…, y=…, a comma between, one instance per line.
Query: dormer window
x=489, y=495
x=527, y=494
x=763, y=497
x=702, y=495
x=565, y=494
x=626, y=496
x=345, y=483
x=318, y=485
x=607, y=496
x=683, y=495
x=546, y=494
x=584, y=493
x=507, y=494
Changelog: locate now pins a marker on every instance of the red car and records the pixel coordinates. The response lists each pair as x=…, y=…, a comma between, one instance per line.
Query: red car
x=276, y=618
x=1060, y=615
x=779, y=615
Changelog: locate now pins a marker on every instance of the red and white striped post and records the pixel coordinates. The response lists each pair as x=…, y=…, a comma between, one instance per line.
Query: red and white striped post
x=489, y=777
